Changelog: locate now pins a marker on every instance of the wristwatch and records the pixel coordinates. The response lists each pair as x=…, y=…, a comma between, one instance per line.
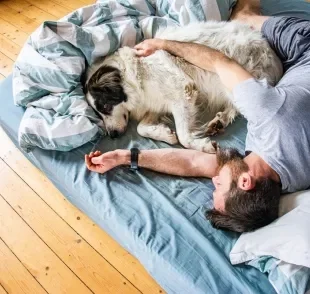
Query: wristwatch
x=134, y=156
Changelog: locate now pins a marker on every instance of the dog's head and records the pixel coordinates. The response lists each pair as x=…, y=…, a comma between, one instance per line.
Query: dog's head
x=105, y=93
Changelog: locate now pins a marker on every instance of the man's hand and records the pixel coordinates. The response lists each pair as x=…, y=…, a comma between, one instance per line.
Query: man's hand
x=149, y=46
x=101, y=163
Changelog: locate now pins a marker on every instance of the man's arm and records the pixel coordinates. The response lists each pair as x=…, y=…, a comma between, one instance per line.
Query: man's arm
x=179, y=162
x=230, y=72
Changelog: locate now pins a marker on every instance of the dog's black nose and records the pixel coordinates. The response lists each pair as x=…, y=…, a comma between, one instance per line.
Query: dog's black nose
x=114, y=134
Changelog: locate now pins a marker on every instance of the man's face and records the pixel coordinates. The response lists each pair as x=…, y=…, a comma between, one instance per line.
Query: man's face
x=231, y=166
x=222, y=184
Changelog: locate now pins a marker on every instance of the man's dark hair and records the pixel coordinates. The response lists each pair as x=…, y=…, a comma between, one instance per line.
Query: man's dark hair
x=247, y=211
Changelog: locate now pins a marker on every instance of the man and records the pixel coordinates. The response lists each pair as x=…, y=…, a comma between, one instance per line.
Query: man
x=247, y=190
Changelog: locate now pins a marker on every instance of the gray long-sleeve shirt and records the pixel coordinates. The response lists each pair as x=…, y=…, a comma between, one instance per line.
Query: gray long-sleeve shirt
x=279, y=117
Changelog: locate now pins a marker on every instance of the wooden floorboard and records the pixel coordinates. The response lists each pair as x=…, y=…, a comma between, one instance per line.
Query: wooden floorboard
x=12, y=33
x=9, y=48
x=2, y=290
x=6, y=65
x=53, y=8
x=19, y=20
x=29, y=10
x=14, y=277
x=70, y=4
x=43, y=264
x=88, y=2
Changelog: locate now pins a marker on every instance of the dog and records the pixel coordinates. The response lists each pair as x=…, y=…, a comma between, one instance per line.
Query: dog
x=148, y=89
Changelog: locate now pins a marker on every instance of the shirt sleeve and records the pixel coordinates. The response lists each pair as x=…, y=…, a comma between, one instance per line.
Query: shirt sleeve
x=257, y=101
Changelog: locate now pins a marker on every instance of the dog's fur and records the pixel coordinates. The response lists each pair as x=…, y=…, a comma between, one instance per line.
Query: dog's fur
x=160, y=84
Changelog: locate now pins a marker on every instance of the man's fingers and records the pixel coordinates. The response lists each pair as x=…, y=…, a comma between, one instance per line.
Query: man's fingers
x=89, y=164
x=87, y=161
x=139, y=46
x=140, y=53
x=96, y=160
x=96, y=153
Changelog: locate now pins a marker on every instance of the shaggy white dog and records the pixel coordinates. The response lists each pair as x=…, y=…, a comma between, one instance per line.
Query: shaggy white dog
x=150, y=88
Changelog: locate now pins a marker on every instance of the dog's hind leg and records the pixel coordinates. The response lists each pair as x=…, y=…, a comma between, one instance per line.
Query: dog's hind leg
x=150, y=127
x=221, y=121
x=184, y=113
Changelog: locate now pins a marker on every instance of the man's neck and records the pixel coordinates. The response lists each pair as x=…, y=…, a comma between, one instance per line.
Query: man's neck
x=260, y=168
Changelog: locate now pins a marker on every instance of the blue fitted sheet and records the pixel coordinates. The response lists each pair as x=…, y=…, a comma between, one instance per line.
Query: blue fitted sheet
x=157, y=218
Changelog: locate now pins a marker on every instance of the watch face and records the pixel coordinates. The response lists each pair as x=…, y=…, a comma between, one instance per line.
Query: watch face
x=134, y=158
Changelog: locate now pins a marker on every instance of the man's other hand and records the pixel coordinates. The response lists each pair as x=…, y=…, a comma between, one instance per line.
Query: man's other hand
x=101, y=163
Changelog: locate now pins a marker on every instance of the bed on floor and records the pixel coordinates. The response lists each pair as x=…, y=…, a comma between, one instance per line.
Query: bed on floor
x=157, y=218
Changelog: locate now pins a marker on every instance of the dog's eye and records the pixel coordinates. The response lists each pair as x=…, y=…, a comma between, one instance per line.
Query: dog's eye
x=107, y=107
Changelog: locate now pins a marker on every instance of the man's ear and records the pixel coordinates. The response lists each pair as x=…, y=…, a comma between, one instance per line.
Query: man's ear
x=246, y=182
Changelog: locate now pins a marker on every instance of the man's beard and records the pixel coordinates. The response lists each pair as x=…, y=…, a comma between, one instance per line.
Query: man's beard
x=234, y=160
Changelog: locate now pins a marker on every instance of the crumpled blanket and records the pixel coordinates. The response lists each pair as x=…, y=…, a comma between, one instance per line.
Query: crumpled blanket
x=48, y=73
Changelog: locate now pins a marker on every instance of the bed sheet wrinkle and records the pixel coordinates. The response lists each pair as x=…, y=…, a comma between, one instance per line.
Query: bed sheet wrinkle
x=203, y=195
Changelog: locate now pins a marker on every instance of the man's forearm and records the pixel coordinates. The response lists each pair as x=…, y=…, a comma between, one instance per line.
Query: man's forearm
x=196, y=54
x=230, y=72
x=179, y=162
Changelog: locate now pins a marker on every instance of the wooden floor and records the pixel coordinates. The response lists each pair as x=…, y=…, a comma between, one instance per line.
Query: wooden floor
x=46, y=244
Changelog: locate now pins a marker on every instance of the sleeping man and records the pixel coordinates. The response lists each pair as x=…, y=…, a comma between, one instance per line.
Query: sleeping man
x=247, y=189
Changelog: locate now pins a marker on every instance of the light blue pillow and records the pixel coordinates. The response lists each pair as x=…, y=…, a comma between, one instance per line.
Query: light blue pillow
x=298, y=8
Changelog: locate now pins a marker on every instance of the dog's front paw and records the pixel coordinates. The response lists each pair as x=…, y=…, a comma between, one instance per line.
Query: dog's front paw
x=172, y=140
x=210, y=147
x=170, y=136
x=159, y=132
x=204, y=145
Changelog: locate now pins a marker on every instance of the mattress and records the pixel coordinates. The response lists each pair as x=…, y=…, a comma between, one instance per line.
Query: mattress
x=157, y=218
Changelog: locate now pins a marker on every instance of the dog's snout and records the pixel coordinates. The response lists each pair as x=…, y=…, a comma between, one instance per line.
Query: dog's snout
x=114, y=134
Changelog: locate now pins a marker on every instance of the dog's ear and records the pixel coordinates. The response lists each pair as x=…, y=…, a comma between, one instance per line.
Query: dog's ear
x=107, y=77
x=106, y=85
